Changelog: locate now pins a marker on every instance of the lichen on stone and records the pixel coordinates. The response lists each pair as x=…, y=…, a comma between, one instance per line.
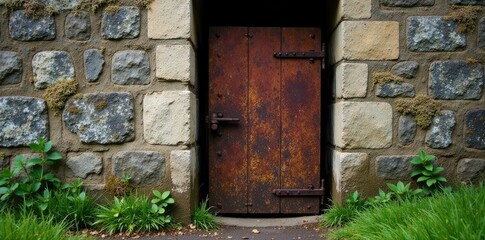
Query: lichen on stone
x=421, y=108
x=34, y=9
x=465, y=16
x=381, y=78
x=143, y=3
x=112, y=9
x=93, y=5
x=56, y=95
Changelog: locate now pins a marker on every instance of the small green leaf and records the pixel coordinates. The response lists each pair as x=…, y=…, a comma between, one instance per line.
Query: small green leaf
x=430, y=182
x=161, y=210
x=3, y=190
x=54, y=156
x=422, y=178
x=47, y=146
x=157, y=193
x=441, y=179
x=430, y=158
x=416, y=161
x=165, y=194
x=170, y=200
x=438, y=170
x=36, y=186
x=429, y=167
x=415, y=173
x=392, y=187
x=36, y=147
x=33, y=162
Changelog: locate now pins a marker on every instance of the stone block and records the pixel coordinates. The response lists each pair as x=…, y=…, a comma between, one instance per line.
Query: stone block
x=78, y=26
x=22, y=120
x=481, y=34
x=441, y=131
x=144, y=167
x=10, y=68
x=362, y=125
x=50, y=67
x=475, y=129
x=391, y=90
x=351, y=80
x=365, y=40
x=405, y=69
x=348, y=169
x=407, y=129
x=176, y=62
x=455, y=80
x=101, y=117
x=433, y=33
x=124, y=23
x=93, y=64
x=23, y=28
x=130, y=67
x=181, y=162
x=170, y=19
x=407, y=3
x=84, y=164
x=354, y=9
x=168, y=117
x=467, y=2
x=394, y=167
x=471, y=171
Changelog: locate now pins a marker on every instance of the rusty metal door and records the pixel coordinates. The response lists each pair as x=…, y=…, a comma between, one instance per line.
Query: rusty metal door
x=264, y=116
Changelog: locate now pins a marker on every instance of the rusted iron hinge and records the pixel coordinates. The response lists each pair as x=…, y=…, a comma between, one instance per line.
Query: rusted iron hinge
x=310, y=191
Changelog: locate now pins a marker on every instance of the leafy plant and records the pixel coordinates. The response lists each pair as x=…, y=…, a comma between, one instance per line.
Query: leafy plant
x=426, y=172
x=338, y=216
x=381, y=199
x=203, y=218
x=28, y=182
x=355, y=200
x=135, y=213
x=402, y=192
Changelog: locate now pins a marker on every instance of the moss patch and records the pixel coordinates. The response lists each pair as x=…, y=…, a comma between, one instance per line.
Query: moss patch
x=143, y=3
x=466, y=17
x=34, y=9
x=112, y=9
x=421, y=108
x=117, y=186
x=56, y=95
x=381, y=78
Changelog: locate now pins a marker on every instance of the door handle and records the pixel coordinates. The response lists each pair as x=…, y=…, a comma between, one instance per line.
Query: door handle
x=218, y=118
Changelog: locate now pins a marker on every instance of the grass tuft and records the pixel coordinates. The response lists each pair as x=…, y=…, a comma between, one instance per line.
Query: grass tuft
x=203, y=218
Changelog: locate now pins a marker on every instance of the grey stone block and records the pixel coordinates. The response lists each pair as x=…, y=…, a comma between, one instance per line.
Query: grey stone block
x=440, y=133
x=93, y=64
x=471, y=171
x=125, y=23
x=10, y=68
x=481, y=34
x=395, y=90
x=455, y=80
x=407, y=129
x=22, y=28
x=144, y=167
x=467, y=2
x=475, y=129
x=22, y=120
x=407, y=3
x=406, y=69
x=394, y=167
x=85, y=164
x=101, y=118
x=78, y=26
x=130, y=67
x=433, y=33
x=50, y=67
x=59, y=5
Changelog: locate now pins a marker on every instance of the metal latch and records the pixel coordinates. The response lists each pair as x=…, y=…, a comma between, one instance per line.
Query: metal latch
x=311, y=55
x=218, y=118
x=310, y=191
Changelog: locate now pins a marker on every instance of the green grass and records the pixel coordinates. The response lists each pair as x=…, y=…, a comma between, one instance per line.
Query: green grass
x=203, y=218
x=27, y=226
x=76, y=211
x=458, y=215
x=338, y=216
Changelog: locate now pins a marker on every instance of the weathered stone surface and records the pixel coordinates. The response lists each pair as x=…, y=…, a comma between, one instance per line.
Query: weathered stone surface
x=85, y=164
x=22, y=121
x=407, y=3
x=101, y=118
x=125, y=23
x=394, y=167
x=471, y=171
x=144, y=167
x=181, y=169
x=93, y=64
x=10, y=68
x=354, y=9
x=406, y=69
x=59, y=5
x=351, y=80
x=50, y=67
x=365, y=40
x=433, y=33
x=362, y=125
x=130, y=67
x=440, y=133
x=467, y=2
x=481, y=34
x=347, y=169
x=78, y=26
x=170, y=19
x=475, y=129
x=23, y=28
x=176, y=62
x=456, y=80
x=168, y=119
x=391, y=89
x=407, y=129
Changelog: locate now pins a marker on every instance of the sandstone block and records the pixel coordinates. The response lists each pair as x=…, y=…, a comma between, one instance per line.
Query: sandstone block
x=348, y=169
x=351, y=80
x=181, y=162
x=176, y=62
x=170, y=19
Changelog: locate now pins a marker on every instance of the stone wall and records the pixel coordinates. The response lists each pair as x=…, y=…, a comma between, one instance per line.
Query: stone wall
x=134, y=108
x=425, y=48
